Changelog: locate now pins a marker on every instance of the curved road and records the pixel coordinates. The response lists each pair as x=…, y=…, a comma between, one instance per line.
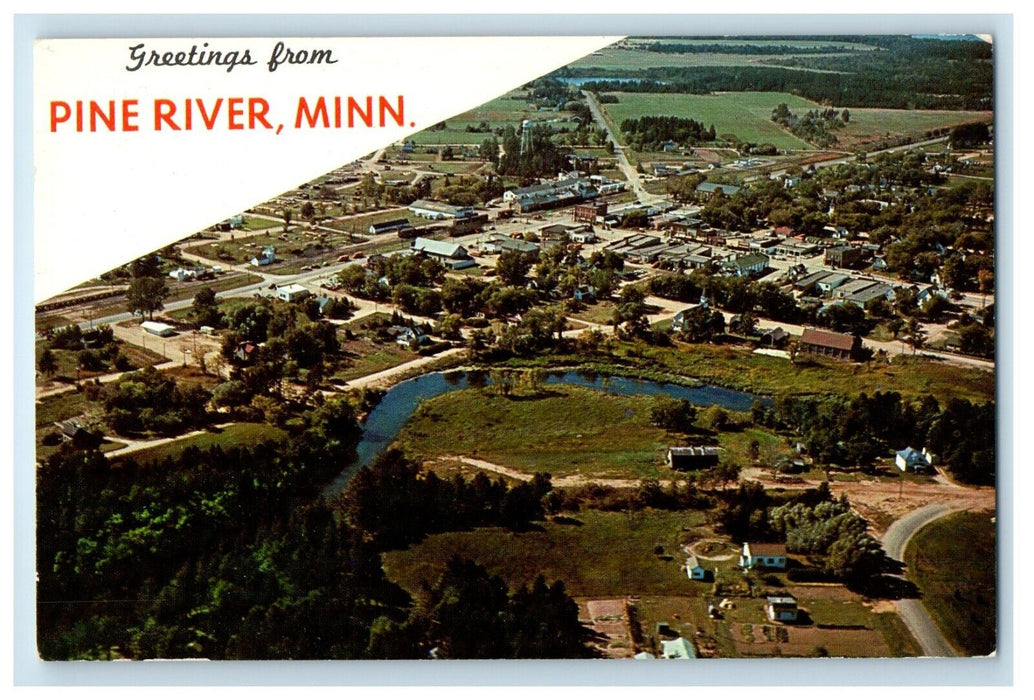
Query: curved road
x=912, y=611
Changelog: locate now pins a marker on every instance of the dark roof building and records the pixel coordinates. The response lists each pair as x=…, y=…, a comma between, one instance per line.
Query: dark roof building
x=829, y=344
x=688, y=458
x=709, y=188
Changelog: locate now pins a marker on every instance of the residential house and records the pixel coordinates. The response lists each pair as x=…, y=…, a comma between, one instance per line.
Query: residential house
x=406, y=337
x=584, y=293
x=245, y=351
x=774, y=337
x=769, y=556
x=70, y=429
x=912, y=460
x=267, y=257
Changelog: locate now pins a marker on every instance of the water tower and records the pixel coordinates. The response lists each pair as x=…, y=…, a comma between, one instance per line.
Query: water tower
x=526, y=136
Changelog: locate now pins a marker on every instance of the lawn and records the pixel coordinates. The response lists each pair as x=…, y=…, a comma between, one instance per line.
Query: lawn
x=958, y=591
x=748, y=115
x=237, y=434
x=596, y=554
x=564, y=430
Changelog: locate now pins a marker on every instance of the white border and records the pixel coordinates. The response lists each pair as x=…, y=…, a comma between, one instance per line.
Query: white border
x=29, y=671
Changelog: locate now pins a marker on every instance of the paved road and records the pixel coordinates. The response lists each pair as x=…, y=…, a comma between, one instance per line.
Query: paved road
x=913, y=613
x=630, y=172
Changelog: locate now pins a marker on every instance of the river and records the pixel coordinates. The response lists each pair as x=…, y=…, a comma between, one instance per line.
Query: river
x=402, y=400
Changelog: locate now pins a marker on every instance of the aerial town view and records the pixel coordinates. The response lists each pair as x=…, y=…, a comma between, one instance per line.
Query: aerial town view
x=685, y=350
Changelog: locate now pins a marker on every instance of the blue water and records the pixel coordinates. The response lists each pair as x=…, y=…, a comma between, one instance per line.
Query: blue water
x=582, y=81
x=401, y=401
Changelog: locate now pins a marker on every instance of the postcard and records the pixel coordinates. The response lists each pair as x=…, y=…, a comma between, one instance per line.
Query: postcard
x=665, y=348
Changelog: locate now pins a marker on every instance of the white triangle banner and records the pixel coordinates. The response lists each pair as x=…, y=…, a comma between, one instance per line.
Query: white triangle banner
x=139, y=143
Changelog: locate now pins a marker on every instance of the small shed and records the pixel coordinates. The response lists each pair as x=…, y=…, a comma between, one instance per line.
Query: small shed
x=689, y=458
x=678, y=649
x=694, y=570
x=781, y=608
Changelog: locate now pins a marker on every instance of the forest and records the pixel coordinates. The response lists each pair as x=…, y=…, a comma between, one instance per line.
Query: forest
x=905, y=73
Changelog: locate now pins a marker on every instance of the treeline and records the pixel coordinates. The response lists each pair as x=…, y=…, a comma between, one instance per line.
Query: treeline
x=168, y=558
x=397, y=503
x=864, y=79
x=838, y=430
x=471, y=614
x=648, y=133
x=226, y=553
x=767, y=49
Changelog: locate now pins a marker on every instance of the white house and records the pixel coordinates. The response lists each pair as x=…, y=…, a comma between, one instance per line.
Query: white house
x=912, y=460
x=769, y=556
x=267, y=257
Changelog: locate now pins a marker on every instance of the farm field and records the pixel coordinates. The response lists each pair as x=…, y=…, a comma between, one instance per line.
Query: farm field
x=745, y=114
x=627, y=61
x=874, y=124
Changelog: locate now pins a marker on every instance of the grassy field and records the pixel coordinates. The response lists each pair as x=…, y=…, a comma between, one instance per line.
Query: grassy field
x=368, y=357
x=959, y=591
x=60, y=407
x=67, y=362
x=875, y=124
x=599, y=434
x=739, y=368
x=232, y=435
x=615, y=554
x=737, y=446
x=748, y=115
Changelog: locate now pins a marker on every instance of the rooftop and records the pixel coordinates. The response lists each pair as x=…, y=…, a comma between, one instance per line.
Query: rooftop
x=828, y=339
x=766, y=549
